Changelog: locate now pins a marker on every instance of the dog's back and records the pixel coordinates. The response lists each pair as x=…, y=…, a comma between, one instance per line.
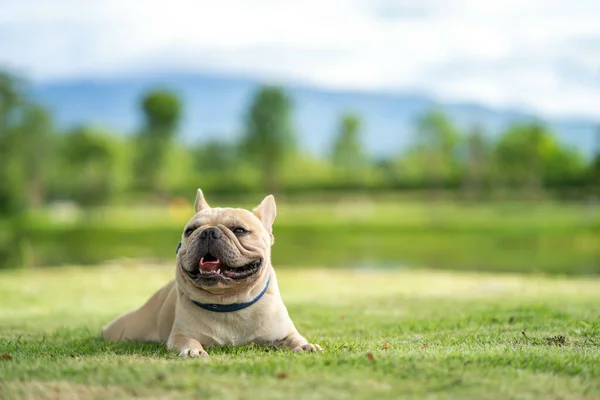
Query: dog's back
x=151, y=322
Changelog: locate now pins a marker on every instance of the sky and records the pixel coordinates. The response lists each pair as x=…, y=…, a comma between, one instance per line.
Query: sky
x=541, y=55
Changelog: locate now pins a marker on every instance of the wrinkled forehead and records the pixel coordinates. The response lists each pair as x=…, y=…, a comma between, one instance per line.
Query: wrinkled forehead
x=230, y=217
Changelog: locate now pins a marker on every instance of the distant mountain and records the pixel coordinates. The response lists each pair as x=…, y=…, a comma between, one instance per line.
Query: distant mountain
x=215, y=105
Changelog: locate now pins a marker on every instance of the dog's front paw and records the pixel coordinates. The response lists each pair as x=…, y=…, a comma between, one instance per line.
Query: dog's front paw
x=187, y=346
x=307, y=347
x=193, y=352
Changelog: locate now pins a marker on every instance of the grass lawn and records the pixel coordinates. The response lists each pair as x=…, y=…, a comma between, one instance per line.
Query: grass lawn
x=386, y=334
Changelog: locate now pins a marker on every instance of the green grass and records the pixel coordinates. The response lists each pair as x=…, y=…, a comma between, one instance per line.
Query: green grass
x=429, y=335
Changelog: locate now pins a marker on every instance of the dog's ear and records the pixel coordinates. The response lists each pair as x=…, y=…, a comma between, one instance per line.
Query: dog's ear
x=200, y=204
x=266, y=212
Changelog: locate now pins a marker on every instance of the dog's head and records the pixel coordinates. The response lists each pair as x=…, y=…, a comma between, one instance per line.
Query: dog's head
x=224, y=249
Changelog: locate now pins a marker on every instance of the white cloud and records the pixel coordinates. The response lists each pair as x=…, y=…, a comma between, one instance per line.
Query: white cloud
x=500, y=52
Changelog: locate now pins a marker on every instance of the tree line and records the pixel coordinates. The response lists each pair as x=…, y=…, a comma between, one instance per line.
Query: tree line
x=40, y=162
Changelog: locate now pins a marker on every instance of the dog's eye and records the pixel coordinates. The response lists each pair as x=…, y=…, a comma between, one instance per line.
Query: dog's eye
x=239, y=231
x=188, y=231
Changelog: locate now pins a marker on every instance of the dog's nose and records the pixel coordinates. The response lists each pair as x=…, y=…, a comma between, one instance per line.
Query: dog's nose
x=212, y=233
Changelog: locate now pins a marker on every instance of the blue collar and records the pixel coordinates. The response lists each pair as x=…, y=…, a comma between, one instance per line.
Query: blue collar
x=229, y=307
x=235, y=306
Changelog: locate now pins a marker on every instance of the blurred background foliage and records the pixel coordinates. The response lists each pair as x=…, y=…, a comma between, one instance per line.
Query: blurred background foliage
x=454, y=199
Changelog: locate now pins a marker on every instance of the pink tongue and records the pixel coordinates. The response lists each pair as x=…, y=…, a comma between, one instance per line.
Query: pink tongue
x=209, y=265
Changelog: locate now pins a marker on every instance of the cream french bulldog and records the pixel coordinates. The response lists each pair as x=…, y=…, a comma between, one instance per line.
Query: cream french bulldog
x=225, y=290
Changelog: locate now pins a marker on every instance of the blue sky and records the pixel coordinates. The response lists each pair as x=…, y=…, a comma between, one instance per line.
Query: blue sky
x=539, y=54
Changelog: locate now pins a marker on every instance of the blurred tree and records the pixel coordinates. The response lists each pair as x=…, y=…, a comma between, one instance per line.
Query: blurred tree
x=35, y=145
x=528, y=155
x=347, y=153
x=88, y=168
x=475, y=173
x=162, y=111
x=563, y=166
x=268, y=134
x=594, y=171
x=437, y=146
x=215, y=156
x=216, y=160
x=15, y=124
x=12, y=96
x=12, y=99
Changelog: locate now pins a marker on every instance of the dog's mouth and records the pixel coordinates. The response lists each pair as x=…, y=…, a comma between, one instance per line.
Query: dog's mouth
x=210, y=266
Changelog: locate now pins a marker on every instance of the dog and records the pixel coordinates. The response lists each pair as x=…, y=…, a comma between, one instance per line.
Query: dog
x=225, y=289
